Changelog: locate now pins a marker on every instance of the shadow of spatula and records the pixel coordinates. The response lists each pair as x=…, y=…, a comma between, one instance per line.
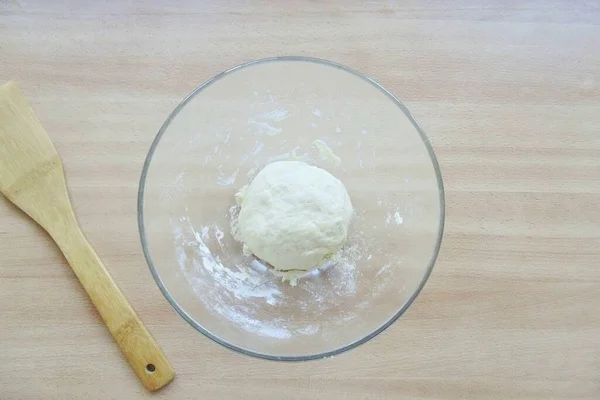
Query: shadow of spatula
x=32, y=177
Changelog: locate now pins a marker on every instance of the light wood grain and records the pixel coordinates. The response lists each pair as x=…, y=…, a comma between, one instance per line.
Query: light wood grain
x=508, y=93
x=32, y=178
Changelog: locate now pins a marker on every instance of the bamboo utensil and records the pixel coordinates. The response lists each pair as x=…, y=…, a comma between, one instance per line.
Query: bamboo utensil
x=32, y=177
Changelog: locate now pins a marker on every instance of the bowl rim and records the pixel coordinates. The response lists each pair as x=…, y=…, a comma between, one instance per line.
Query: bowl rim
x=192, y=321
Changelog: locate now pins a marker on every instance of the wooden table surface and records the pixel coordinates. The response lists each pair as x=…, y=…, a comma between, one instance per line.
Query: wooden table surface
x=509, y=94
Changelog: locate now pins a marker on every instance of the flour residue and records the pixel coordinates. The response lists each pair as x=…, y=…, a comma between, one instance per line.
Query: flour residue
x=238, y=288
x=256, y=148
x=358, y=154
x=217, y=285
x=308, y=330
x=394, y=216
x=398, y=218
x=238, y=292
x=264, y=123
x=275, y=115
x=168, y=192
x=241, y=284
x=228, y=180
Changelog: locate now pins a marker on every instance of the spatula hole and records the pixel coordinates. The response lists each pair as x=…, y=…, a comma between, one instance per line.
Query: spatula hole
x=150, y=368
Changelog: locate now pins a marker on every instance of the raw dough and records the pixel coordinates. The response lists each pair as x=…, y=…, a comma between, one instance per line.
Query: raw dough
x=293, y=216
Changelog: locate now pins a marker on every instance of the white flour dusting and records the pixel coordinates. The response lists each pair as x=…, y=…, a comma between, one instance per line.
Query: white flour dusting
x=239, y=283
x=218, y=286
x=239, y=292
x=168, y=192
x=358, y=155
x=228, y=180
x=257, y=148
x=238, y=288
x=262, y=122
x=398, y=218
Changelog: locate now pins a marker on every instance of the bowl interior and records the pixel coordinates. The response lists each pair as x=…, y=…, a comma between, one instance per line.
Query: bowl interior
x=283, y=109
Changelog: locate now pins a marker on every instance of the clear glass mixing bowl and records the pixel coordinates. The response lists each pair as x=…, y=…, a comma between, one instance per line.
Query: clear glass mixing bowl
x=288, y=108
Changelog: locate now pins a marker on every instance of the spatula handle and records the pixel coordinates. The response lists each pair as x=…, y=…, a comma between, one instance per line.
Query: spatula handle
x=136, y=343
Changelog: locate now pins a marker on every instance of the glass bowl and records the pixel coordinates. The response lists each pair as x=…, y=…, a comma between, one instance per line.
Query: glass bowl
x=290, y=108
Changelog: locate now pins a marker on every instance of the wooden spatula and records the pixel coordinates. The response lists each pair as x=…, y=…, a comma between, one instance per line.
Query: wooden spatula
x=32, y=177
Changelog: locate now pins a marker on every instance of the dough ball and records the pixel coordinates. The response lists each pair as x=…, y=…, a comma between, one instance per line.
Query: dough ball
x=294, y=216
